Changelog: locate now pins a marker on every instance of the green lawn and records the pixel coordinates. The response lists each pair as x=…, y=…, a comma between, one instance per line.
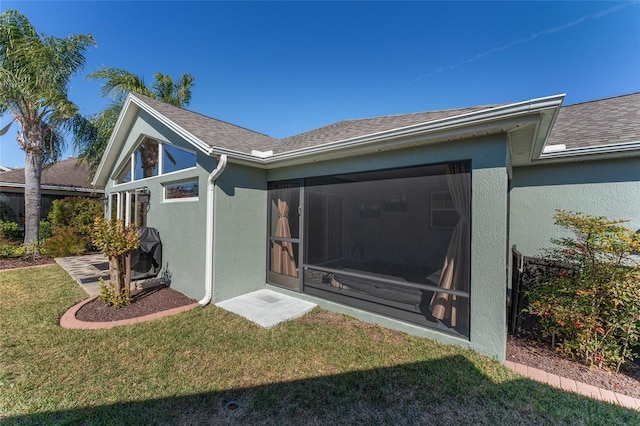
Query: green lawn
x=320, y=369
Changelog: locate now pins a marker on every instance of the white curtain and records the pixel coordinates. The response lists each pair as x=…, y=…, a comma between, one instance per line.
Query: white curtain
x=451, y=309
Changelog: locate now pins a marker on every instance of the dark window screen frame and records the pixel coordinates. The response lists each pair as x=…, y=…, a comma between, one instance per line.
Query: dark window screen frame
x=369, y=243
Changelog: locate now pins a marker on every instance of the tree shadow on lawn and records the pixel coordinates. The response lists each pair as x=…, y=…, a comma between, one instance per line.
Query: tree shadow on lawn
x=445, y=391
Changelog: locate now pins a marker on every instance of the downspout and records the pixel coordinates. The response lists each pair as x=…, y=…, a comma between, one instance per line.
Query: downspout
x=210, y=249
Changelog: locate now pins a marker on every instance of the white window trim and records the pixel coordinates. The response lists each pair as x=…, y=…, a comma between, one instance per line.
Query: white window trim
x=184, y=199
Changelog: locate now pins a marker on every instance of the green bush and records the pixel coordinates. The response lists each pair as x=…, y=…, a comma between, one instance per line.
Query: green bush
x=592, y=307
x=9, y=230
x=11, y=249
x=77, y=214
x=111, y=297
x=45, y=231
x=65, y=242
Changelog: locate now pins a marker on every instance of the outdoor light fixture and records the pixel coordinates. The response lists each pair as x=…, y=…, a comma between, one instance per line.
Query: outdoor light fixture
x=144, y=195
x=104, y=199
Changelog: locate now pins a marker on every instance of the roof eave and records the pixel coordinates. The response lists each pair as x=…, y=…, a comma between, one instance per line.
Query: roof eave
x=478, y=123
x=120, y=131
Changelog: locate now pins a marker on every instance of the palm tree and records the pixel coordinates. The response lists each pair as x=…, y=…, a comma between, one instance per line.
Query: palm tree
x=35, y=71
x=94, y=133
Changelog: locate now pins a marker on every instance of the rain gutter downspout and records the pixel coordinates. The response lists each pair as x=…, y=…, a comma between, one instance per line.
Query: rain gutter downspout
x=210, y=249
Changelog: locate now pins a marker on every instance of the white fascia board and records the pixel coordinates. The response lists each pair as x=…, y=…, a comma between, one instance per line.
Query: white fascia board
x=125, y=120
x=189, y=137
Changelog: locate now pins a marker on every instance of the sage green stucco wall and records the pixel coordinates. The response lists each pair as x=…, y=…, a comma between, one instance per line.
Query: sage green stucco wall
x=601, y=188
x=180, y=223
x=240, y=230
x=489, y=181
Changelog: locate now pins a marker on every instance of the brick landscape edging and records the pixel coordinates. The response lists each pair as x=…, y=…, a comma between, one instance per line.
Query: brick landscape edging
x=70, y=321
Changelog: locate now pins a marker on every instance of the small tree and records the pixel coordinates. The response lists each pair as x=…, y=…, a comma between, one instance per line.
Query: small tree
x=116, y=241
x=594, y=306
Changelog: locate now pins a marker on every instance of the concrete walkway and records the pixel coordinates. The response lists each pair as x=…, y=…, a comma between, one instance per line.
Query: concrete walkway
x=87, y=270
x=260, y=307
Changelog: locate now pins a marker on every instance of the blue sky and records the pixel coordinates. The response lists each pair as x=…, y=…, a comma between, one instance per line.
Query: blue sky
x=282, y=68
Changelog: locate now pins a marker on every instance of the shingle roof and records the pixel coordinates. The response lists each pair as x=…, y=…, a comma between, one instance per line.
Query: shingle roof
x=66, y=173
x=211, y=131
x=601, y=122
x=217, y=133
x=354, y=128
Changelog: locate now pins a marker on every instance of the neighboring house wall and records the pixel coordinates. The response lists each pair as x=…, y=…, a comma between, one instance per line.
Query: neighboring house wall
x=600, y=188
x=489, y=181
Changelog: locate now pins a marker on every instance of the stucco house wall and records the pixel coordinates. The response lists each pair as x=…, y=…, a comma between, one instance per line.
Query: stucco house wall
x=607, y=187
x=516, y=185
x=240, y=230
x=489, y=183
x=180, y=223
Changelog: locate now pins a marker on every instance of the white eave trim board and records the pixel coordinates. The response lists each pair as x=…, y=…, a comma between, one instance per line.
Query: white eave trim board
x=195, y=141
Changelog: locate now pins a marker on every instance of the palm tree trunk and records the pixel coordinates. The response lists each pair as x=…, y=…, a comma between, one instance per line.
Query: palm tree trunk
x=32, y=174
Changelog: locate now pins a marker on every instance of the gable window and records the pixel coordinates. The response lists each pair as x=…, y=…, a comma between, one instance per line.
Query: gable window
x=175, y=159
x=152, y=158
x=146, y=159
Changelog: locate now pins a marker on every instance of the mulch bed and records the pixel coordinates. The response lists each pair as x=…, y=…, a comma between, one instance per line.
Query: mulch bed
x=539, y=354
x=24, y=262
x=145, y=302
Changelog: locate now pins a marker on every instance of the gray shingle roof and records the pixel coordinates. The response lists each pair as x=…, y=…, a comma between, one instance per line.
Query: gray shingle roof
x=348, y=129
x=602, y=122
x=211, y=131
x=595, y=123
x=65, y=173
x=221, y=134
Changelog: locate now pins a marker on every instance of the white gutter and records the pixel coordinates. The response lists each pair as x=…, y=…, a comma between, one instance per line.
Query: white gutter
x=210, y=246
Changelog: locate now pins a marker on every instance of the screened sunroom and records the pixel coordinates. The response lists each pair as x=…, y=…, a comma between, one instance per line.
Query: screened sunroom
x=394, y=242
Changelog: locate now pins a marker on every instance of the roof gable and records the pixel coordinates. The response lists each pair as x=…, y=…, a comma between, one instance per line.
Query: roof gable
x=213, y=132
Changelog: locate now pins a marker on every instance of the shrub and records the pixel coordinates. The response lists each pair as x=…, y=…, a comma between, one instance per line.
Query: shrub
x=116, y=241
x=594, y=306
x=65, y=242
x=75, y=213
x=11, y=249
x=45, y=231
x=10, y=230
x=111, y=297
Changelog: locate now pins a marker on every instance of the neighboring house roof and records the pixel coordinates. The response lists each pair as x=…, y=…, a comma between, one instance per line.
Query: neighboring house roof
x=595, y=125
x=69, y=175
